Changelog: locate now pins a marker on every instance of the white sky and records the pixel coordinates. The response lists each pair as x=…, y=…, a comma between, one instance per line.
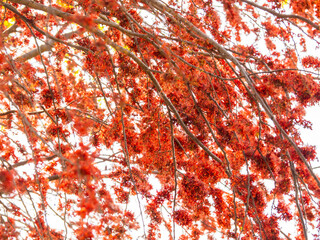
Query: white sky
x=311, y=137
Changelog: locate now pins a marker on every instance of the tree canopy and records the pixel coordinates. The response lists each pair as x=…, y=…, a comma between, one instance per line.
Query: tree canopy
x=129, y=119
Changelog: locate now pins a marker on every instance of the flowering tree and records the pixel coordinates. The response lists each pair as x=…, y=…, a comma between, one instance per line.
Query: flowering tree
x=121, y=119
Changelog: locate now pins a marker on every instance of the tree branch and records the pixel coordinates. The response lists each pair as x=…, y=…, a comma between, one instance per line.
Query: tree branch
x=280, y=15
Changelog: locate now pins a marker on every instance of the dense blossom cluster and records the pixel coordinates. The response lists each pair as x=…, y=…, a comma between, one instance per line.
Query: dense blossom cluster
x=163, y=119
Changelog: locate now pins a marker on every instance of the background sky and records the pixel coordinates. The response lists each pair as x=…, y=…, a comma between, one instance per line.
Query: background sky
x=312, y=137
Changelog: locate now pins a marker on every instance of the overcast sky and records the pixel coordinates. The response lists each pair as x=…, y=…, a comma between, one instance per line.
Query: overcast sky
x=311, y=137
